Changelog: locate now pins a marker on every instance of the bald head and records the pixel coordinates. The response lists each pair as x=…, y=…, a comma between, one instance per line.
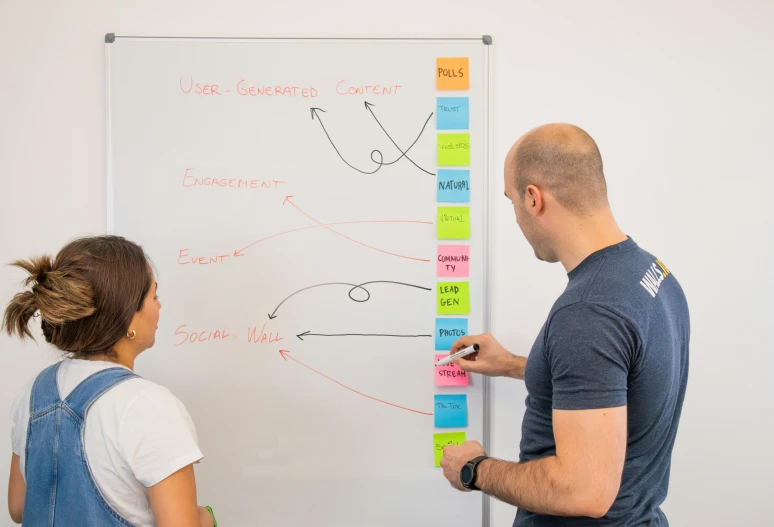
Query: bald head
x=564, y=161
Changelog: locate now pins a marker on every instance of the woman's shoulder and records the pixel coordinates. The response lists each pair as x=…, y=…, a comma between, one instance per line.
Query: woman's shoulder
x=140, y=395
x=127, y=392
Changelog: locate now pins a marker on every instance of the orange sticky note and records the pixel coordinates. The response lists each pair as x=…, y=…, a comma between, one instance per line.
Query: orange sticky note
x=452, y=73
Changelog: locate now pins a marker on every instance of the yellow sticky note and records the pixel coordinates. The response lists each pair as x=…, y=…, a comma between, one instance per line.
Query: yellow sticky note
x=453, y=223
x=452, y=73
x=440, y=441
x=454, y=150
x=453, y=298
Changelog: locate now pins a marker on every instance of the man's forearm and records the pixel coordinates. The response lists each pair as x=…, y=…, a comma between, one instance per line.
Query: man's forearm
x=516, y=370
x=537, y=486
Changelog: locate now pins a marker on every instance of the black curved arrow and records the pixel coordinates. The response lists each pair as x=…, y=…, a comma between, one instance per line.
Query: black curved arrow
x=409, y=148
x=353, y=287
x=310, y=334
x=379, y=163
x=368, y=106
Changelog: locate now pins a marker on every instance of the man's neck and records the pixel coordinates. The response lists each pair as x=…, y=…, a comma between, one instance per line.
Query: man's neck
x=583, y=236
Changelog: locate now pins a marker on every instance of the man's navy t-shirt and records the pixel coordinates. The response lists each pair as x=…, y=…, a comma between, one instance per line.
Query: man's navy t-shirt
x=618, y=336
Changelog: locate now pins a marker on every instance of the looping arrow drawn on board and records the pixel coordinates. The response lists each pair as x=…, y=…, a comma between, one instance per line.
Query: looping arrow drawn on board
x=403, y=154
x=319, y=119
x=353, y=288
x=285, y=354
x=334, y=231
x=379, y=162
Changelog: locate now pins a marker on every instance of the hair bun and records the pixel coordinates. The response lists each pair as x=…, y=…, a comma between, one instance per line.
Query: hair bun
x=37, y=267
x=85, y=298
x=60, y=296
x=42, y=271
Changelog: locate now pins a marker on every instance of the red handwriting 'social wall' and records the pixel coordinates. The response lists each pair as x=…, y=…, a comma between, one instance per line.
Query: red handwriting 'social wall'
x=187, y=337
x=255, y=336
x=189, y=180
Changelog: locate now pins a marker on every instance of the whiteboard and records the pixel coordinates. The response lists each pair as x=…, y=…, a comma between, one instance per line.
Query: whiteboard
x=293, y=229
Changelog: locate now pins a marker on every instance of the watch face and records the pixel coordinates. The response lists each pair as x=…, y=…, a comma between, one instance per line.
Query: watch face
x=466, y=474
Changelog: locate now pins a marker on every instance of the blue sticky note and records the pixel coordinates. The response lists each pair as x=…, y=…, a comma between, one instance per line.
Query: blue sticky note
x=453, y=186
x=448, y=330
x=451, y=411
x=452, y=113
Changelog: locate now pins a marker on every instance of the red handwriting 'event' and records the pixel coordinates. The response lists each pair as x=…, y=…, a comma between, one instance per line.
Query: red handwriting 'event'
x=187, y=337
x=183, y=258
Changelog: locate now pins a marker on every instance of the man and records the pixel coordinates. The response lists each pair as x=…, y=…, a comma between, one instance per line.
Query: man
x=606, y=376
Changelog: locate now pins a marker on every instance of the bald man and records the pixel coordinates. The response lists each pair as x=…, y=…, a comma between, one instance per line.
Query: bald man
x=607, y=373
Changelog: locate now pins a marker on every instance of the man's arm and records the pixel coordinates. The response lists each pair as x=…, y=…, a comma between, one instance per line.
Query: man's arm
x=582, y=479
x=491, y=359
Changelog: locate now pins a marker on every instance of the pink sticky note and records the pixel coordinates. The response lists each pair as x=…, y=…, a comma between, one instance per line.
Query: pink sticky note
x=454, y=260
x=449, y=375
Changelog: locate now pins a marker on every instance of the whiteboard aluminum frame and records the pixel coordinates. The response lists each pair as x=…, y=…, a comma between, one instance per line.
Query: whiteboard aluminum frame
x=485, y=40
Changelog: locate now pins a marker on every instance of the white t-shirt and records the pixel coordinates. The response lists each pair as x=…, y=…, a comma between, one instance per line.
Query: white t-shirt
x=137, y=434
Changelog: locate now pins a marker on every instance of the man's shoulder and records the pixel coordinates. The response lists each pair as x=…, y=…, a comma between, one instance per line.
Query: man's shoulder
x=622, y=281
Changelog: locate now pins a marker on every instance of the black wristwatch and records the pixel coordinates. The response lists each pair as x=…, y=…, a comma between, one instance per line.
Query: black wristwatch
x=468, y=473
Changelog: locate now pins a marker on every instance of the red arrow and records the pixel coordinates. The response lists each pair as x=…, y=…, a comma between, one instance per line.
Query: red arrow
x=287, y=200
x=286, y=355
x=240, y=252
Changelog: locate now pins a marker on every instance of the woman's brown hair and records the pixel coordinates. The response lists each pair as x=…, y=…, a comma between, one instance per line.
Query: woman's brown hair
x=86, y=296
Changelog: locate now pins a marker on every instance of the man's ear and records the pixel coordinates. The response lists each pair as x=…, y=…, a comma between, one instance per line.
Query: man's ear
x=533, y=200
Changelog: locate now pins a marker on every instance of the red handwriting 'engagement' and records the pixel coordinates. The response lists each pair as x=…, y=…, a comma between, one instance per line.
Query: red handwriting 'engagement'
x=189, y=180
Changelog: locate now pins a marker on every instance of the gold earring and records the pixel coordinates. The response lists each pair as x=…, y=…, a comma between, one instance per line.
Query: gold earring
x=131, y=334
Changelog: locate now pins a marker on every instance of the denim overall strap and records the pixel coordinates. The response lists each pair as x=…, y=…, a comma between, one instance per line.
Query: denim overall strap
x=61, y=491
x=45, y=393
x=93, y=387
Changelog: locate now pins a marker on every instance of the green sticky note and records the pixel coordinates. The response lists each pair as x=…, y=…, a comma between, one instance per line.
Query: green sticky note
x=454, y=150
x=442, y=440
x=453, y=298
x=453, y=223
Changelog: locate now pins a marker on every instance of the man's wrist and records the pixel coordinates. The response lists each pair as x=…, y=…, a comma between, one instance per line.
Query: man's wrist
x=516, y=367
x=482, y=473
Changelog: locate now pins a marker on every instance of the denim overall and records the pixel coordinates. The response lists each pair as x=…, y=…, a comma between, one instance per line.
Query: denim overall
x=60, y=488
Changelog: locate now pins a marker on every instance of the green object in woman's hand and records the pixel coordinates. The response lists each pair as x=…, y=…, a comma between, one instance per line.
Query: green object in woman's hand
x=214, y=521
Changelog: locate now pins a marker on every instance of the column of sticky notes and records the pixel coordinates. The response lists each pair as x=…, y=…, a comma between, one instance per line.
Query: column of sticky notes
x=453, y=254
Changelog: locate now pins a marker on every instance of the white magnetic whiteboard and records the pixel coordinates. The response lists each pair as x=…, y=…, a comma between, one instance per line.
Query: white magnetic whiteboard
x=313, y=398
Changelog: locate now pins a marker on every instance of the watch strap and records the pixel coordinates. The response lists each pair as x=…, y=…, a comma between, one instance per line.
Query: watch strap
x=475, y=462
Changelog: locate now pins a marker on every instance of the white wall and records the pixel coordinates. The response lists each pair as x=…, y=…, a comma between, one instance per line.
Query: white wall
x=677, y=94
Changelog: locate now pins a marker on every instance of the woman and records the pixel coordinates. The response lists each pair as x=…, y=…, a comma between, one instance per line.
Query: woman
x=93, y=443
